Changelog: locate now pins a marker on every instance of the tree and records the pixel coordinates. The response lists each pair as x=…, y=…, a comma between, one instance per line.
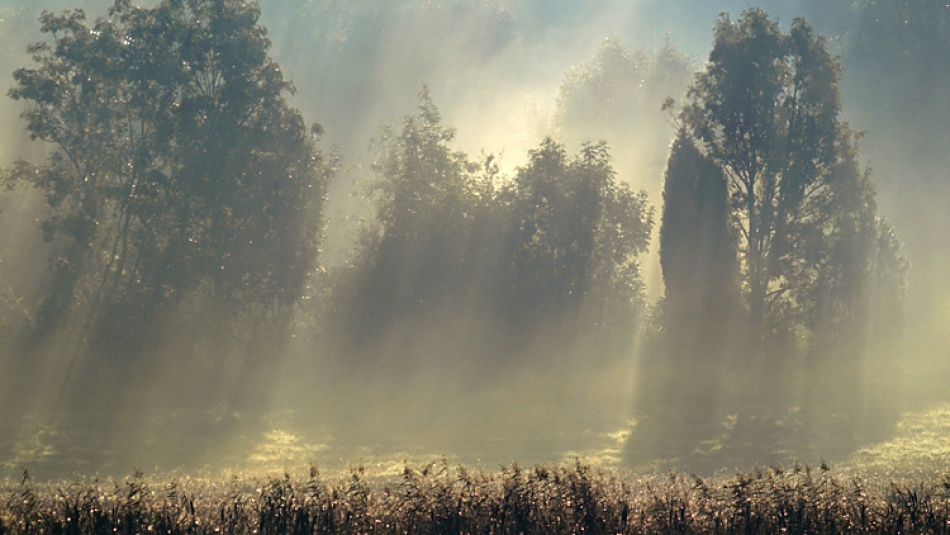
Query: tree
x=615, y=96
x=697, y=249
x=574, y=236
x=456, y=245
x=856, y=295
x=178, y=171
x=766, y=112
x=688, y=362
x=764, y=196
x=414, y=256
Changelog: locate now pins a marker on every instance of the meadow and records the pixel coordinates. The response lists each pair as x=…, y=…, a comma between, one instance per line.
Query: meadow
x=900, y=485
x=440, y=498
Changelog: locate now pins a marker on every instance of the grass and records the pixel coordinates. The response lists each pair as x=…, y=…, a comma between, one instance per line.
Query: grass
x=439, y=498
x=921, y=441
x=895, y=486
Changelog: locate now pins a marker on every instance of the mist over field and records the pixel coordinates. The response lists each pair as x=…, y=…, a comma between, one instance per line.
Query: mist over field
x=256, y=235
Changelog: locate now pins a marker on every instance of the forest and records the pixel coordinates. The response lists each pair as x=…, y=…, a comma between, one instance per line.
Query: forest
x=366, y=231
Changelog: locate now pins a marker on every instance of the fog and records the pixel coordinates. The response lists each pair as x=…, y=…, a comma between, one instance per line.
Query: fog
x=433, y=324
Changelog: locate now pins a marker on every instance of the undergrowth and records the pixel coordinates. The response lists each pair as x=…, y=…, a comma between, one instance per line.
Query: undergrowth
x=439, y=498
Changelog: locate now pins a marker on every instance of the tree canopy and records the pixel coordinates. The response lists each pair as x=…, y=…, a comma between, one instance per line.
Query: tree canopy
x=616, y=97
x=177, y=167
x=764, y=197
x=556, y=242
x=766, y=112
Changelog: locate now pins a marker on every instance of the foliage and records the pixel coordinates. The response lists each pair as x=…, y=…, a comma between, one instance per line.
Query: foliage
x=697, y=247
x=557, y=242
x=766, y=113
x=691, y=358
x=616, y=96
x=437, y=498
x=416, y=252
x=765, y=198
x=619, y=91
x=574, y=233
x=178, y=169
x=766, y=110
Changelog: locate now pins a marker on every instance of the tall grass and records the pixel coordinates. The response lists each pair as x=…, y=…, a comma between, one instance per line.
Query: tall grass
x=438, y=498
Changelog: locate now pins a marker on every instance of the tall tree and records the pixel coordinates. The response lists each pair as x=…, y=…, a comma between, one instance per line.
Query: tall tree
x=688, y=362
x=177, y=169
x=697, y=248
x=763, y=186
x=766, y=112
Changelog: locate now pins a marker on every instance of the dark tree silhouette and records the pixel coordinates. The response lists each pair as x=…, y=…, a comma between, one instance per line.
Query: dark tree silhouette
x=575, y=233
x=178, y=171
x=454, y=244
x=690, y=361
x=763, y=188
x=413, y=258
x=766, y=110
x=697, y=248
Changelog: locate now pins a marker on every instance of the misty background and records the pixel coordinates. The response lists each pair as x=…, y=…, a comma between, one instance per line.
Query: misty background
x=355, y=372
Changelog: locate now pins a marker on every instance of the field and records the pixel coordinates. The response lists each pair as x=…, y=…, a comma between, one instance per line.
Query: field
x=438, y=498
x=897, y=486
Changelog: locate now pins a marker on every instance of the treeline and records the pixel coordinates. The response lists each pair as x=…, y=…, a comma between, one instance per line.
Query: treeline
x=455, y=243
x=184, y=200
x=183, y=194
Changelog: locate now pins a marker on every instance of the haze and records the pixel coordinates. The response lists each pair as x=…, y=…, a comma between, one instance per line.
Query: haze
x=385, y=338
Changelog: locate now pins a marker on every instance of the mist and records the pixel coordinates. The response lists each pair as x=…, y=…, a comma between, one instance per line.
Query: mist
x=437, y=277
